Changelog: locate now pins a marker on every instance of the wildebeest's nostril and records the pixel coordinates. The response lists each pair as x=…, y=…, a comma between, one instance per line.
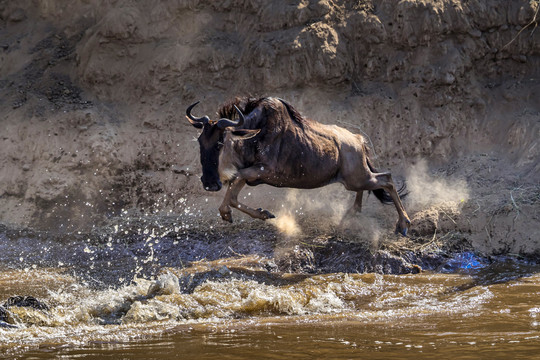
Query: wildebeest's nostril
x=212, y=186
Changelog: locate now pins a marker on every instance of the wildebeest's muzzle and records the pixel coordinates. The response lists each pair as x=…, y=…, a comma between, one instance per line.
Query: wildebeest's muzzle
x=211, y=185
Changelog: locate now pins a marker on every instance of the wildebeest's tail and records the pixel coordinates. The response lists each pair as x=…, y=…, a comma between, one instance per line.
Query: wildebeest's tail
x=383, y=195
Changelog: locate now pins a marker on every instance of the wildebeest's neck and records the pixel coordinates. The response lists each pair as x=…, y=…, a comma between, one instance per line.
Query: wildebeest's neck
x=262, y=113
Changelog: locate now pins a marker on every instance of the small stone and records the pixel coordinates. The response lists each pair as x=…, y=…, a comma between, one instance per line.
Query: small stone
x=184, y=170
x=3, y=314
x=6, y=325
x=17, y=15
x=520, y=58
x=166, y=284
x=475, y=33
x=224, y=271
x=449, y=79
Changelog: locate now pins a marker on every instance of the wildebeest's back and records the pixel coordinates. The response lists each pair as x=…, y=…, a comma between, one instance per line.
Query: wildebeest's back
x=303, y=158
x=295, y=151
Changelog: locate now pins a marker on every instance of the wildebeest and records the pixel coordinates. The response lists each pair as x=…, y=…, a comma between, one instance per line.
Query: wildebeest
x=272, y=143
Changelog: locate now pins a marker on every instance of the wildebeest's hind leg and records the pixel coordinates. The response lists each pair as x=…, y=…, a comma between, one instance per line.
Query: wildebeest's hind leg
x=231, y=198
x=384, y=181
x=356, y=208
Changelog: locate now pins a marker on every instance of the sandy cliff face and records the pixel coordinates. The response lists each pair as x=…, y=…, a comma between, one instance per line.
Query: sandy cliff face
x=92, y=99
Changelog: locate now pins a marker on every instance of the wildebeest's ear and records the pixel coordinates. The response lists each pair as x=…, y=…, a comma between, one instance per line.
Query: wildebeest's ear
x=244, y=134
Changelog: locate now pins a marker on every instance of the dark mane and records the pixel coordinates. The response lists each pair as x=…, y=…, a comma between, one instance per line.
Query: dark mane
x=293, y=113
x=248, y=104
x=245, y=104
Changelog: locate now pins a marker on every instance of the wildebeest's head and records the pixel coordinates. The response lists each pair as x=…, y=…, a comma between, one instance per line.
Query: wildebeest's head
x=211, y=142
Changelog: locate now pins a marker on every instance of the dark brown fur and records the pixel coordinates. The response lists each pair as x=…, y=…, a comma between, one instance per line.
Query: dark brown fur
x=277, y=146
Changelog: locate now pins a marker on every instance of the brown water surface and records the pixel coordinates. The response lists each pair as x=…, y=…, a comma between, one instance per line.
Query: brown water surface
x=492, y=312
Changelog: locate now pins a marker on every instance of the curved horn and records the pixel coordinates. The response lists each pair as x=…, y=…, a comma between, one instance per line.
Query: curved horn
x=196, y=121
x=223, y=123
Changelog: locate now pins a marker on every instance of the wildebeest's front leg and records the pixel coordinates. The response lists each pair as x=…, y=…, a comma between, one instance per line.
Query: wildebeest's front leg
x=231, y=199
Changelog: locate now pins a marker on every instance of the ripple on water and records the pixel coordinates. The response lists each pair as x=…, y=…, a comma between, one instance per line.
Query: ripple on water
x=81, y=314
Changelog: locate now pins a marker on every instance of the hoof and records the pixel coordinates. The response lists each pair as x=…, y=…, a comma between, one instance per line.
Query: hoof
x=227, y=217
x=403, y=230
x=265, y=214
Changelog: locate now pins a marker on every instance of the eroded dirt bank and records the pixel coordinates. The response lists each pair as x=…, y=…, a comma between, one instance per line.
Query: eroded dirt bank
x=92, y=99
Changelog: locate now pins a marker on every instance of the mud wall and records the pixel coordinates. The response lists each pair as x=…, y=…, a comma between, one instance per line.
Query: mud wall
x=92, y=94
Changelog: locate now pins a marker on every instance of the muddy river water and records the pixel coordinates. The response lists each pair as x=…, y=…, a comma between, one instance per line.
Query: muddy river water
x=112, y=300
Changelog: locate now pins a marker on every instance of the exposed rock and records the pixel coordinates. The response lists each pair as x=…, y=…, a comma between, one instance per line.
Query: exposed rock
x=25, y=301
